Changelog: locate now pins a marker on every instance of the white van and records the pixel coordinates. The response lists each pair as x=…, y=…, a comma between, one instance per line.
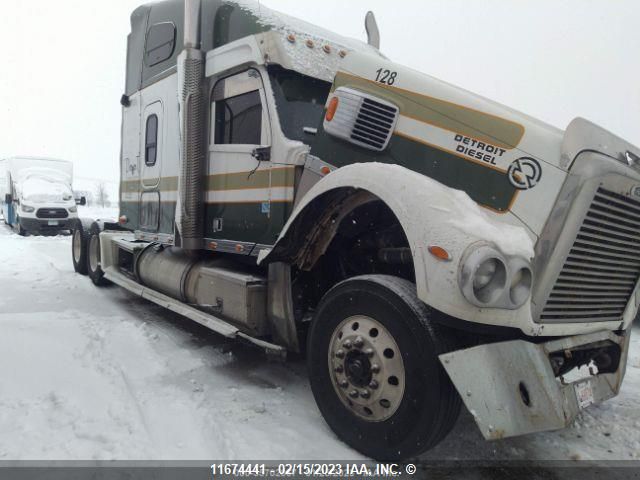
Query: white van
x=36, y=194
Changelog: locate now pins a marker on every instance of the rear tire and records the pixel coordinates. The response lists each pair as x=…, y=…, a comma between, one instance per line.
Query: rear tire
x=94, y=267
x=79, y=242
x=374, y=371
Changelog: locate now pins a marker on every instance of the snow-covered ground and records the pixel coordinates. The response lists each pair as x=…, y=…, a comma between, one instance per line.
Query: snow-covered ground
x=96, y=373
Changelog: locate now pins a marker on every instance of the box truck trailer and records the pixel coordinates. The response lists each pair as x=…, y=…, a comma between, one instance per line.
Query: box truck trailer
x=36, y=194
x=426, y=247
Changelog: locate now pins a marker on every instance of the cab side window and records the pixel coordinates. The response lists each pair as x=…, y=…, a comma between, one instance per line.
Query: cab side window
x=238, y=109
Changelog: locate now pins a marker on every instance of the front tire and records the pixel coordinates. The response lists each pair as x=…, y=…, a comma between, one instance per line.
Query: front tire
x=94, y=267
x=21, y=231
x=374, y=370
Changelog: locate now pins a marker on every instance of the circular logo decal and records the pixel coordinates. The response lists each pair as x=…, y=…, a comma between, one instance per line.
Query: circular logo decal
x=524, y=173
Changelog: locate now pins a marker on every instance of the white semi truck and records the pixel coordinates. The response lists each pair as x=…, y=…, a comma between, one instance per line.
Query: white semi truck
x=426, y=247
x=36, y=194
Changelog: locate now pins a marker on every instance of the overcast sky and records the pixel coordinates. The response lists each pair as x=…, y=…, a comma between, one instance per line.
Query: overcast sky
x=62, y=70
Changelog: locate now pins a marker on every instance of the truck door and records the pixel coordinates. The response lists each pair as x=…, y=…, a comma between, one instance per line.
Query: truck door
x=151, y=162
x=238, y=193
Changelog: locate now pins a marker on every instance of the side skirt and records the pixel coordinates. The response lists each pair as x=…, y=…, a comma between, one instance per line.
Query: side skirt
x=207, y=320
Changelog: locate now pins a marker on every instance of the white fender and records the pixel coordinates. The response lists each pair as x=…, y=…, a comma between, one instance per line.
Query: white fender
x=432, y=214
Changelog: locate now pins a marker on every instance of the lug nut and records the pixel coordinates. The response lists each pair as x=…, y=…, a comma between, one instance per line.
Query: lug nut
x=353, y=394
x=339, y=369
x=340, y=353
x=375, y=368
x=373, y=384
x=365, y=394
x=358, y=342
x=369, y=352
x=347, y=344
x=344, y=383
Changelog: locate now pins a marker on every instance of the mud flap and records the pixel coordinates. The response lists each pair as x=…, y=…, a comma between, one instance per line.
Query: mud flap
x=510, y=388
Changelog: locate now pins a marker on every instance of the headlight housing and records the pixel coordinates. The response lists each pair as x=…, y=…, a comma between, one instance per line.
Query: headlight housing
x=27, y=208
x=490, y=279
x=73, y=209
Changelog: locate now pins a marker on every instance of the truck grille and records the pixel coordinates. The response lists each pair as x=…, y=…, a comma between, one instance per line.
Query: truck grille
x=374, y=124
x=52, y=213
x=603, y=265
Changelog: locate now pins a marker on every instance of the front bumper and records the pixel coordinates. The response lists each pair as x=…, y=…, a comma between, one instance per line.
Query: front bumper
x=43, y=224
x=496, y=380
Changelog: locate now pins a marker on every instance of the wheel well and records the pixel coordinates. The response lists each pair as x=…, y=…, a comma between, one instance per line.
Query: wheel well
x=358, y=235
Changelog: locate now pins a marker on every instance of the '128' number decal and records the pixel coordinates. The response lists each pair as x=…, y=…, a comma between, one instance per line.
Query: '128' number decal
x=386, y=76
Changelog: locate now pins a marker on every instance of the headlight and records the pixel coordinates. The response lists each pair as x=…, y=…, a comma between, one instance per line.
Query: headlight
x=521, y=282
x=27, y=208
x=73, y=209
x=490, y=279
x=485, y=272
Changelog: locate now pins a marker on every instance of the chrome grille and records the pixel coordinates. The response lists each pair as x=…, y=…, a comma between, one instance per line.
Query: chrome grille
x=374, y=124
x=603, y=266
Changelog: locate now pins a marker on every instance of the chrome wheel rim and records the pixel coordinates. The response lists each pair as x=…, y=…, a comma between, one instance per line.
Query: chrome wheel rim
x=366, y=368
x=94, y=253
x=77, y=247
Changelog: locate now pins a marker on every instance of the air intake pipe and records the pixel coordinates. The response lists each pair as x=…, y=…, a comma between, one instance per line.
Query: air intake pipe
x=189, y=214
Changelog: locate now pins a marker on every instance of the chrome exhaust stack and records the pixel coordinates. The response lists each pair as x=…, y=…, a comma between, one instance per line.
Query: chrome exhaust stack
x=189, y=211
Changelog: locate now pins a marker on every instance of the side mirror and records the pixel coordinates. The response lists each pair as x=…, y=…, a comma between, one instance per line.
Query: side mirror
x=83, y=201
x=8, y=198
x=262, y=154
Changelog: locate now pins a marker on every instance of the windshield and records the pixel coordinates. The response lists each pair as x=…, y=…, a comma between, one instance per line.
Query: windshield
x=300, y=101
x=42, y=190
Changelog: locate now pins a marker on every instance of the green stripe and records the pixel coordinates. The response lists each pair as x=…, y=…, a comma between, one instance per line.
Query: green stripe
x=244, y=222
x=449, y=116
x=487, y=186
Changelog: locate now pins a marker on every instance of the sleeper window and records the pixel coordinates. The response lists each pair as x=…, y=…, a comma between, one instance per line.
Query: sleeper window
x=160, y=44
x=151, y=140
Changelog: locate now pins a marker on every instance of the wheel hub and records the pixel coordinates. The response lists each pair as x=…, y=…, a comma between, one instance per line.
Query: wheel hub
x=366, y=368
x=358, y=368
x=77, y=245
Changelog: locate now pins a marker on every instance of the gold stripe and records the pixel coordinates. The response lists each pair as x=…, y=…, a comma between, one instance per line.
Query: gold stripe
x=273, y=177
x=440, y=113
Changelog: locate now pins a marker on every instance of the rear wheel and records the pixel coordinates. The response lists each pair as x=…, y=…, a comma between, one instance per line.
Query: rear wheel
x=79, y=249
x=374, y=370
x=94, y=267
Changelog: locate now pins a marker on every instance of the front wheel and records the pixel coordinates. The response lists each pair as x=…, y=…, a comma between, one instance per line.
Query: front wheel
x=21, y=231
x=374, y=370
x=94, y=267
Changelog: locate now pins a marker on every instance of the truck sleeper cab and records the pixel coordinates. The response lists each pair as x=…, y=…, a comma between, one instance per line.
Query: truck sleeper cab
x=425, y=246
